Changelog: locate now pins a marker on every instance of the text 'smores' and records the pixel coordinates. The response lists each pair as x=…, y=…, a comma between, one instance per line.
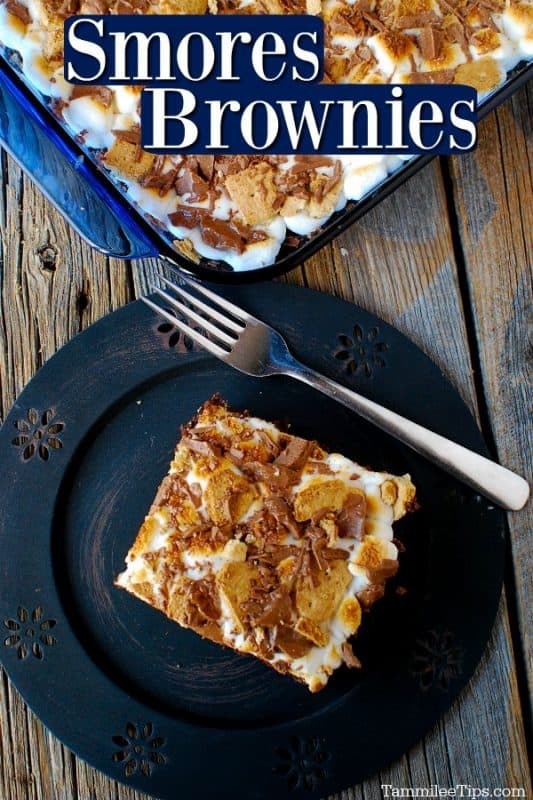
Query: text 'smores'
x=252, y=84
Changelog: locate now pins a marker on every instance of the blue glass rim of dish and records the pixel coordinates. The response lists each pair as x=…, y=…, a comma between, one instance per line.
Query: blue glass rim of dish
x=126, y=232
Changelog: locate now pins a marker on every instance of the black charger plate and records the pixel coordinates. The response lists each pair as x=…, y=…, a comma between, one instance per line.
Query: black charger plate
x=82, y=453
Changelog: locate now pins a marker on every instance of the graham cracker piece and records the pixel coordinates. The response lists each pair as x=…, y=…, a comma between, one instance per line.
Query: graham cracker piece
x=145, y=590
x=483, y=75
x=318, y=601
x=318, y=495
x=53, y=46
x=128, y=159
x=253, y=192
x=404, y=8
x=148, y=529
x=292, y=205
x=186, y=247
x=177, y=601
x=18, y=14
x=235, y=581
x=183, y=6
x=359, y=72
x=322, y=206
x=312, y=631
x=399, y=493
x=227, y=497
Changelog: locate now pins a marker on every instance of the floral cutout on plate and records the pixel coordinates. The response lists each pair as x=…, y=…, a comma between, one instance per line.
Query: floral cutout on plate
x=38, y=434
x=436, y=660
x=139, y=749
x=361, y=350
x=29, y=632
x=175, y=339
x=302, y=763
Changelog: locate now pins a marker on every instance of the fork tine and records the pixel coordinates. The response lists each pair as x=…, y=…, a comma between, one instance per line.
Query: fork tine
x=226, y=321
x=190, y=314
x=187, y=330
x=221, y=301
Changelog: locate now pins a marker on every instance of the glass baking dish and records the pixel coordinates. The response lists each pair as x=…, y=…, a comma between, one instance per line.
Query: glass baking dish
x=103, y=215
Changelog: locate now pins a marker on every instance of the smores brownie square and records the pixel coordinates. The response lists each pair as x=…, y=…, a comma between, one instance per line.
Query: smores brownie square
x=264, y=542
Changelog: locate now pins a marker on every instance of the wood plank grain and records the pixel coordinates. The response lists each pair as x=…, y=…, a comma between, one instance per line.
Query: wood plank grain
x=493, y=189
x=399, y=265
x=51, y=286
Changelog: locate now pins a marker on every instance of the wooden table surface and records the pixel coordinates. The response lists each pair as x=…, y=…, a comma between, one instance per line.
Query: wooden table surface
x=447, y=259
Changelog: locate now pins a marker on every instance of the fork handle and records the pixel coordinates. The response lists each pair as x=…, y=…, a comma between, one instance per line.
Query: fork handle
x=494, y=481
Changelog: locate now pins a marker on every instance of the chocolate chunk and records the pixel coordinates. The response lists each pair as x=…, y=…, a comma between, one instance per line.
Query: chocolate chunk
x=93, y=7
x=155, y=178
x=206, y=165
x=339, y=26
x=455, y=33
x=351, y=519
x=294, y=645
x=350, y=659
x=132, y=136
x=316, y=540
x=201, y=447
x=218, y=233
x=187, y=216
x=190, y=183
x=271, y=446
x=57, y=104
x=369, y=596
x=277, y=478
x=19, y=11
x=387, y=568
x=305, y=163
x=295, y=453
x=65, y=8
x=335, y=553
x=129, y=7
x=195, y=491
x=230, y=164
x=374, y=21
x=203, y=602
x=319, y=467
x=280, y=510
x=102, y=94
x=235, y=455
x=277, y=609
x=430, y=42
x=272, y=555
x=418, y=20
x=171, y=492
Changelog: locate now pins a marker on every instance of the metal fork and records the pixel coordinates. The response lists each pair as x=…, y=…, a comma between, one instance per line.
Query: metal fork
x=253, y=347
